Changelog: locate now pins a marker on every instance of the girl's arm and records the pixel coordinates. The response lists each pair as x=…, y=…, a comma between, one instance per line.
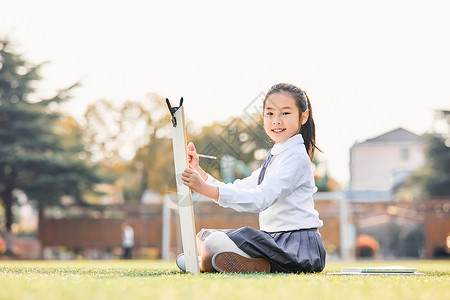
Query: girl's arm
x=286, y=176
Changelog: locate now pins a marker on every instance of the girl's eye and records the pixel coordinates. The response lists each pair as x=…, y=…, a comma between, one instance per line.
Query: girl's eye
x=286, y=113
x=269, y=114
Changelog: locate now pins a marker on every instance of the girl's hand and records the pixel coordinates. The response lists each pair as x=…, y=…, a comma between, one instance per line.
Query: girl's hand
x=192, y=155
x=193, y=180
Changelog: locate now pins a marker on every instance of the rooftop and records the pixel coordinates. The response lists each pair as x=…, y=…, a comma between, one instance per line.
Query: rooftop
x=396, y=135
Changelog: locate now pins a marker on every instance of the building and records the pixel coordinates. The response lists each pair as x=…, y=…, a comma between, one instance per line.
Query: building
x=403, y=226
x=378, y=165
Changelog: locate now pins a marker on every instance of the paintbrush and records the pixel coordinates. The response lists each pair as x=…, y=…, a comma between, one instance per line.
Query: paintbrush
x=207, y=156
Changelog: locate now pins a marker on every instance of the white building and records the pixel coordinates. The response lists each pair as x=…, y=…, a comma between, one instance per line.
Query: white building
x=380, y=164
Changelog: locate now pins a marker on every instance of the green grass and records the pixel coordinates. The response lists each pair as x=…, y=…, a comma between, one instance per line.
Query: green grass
x=161, y=280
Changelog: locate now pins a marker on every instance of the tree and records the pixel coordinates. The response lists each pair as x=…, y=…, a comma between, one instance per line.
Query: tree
x=37, y=155
x=438, y=164
x=433, y=180
x=131, y=141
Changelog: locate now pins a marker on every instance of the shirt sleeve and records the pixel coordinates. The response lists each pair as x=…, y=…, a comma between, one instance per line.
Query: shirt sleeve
x=278, y=183
x=245, y=183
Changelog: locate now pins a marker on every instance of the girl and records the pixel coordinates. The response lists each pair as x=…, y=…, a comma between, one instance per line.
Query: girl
x=280, y=191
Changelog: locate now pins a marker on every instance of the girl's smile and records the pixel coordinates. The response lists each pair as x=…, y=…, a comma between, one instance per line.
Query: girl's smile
x=281, y=117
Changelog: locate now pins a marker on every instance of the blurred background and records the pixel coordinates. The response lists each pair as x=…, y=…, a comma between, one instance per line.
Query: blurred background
x=85, y=135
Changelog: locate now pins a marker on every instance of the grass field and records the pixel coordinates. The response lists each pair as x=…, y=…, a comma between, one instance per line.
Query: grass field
x=161, y=280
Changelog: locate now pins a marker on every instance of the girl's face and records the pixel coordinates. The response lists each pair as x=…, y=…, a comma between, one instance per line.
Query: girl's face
x=281, y=117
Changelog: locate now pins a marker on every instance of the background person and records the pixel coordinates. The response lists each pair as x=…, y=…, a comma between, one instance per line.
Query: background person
x=127, y=240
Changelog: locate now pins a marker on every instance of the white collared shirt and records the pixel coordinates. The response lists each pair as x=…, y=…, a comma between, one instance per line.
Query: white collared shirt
x=284, y=198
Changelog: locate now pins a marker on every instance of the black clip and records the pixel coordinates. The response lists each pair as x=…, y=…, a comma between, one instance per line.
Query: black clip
x=173, y=110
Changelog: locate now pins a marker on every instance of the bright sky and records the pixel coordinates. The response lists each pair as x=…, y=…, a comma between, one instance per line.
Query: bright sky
x=367, y=66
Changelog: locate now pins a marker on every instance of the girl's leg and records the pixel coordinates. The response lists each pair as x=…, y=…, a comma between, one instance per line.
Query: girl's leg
x=201, y=236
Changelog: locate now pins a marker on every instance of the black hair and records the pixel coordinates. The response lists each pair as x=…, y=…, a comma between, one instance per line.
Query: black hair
x=307, y=130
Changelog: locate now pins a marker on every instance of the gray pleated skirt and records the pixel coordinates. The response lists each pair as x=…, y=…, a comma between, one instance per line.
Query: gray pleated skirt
x=288, y=251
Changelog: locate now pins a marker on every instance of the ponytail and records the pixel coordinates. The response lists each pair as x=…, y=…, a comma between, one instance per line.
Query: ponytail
x=308, y=131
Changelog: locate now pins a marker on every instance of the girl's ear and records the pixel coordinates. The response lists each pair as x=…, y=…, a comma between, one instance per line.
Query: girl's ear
x=305, y=116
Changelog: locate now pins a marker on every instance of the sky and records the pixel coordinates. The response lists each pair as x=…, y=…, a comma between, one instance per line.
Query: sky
x=368, y=66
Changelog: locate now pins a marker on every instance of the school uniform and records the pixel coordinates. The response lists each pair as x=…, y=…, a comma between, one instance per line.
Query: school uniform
x=281, y=192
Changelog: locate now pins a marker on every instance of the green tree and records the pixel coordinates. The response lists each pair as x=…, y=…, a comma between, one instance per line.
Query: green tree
x=37, y=154
x=433, y=180
x=437, y=183
x=131, y=141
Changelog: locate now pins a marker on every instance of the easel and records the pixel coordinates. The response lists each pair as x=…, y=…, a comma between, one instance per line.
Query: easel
x=185, y=207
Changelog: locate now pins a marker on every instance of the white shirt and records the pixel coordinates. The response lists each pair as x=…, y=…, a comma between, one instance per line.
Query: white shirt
x=128, y=237
x=284, y=198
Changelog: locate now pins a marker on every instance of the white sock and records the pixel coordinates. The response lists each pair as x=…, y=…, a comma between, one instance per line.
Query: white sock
x=219, y=241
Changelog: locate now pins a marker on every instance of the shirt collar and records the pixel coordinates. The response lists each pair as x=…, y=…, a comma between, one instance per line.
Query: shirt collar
x=292, y=141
